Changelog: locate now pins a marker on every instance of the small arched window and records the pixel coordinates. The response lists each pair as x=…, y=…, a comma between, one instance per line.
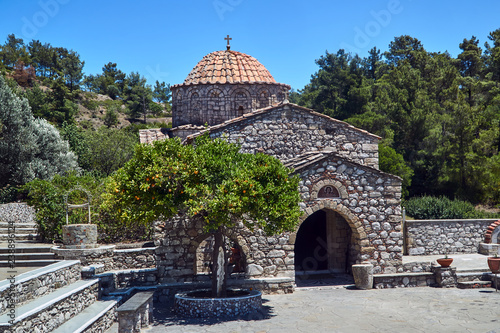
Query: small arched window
x=328, y=191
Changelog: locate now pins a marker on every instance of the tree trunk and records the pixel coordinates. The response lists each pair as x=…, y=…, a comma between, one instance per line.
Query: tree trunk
x=219, y=270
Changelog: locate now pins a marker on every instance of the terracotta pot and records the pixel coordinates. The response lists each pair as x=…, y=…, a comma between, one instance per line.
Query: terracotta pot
x=494, y=264
x=445, y=262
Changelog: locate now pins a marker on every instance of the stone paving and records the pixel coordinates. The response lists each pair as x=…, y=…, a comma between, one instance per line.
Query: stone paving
x=343, y=309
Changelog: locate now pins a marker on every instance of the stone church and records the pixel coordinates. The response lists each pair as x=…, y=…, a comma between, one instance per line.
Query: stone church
x=352, y=211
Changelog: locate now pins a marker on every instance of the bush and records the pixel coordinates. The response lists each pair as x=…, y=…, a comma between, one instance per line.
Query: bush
x=429, y=208
x=47, y=197
x=8, y=194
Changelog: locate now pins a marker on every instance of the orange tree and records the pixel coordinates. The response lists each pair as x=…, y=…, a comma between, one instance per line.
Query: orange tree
x=210, y=179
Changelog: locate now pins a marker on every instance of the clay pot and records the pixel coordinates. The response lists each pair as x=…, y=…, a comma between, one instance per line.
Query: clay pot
x=445, y=262
x=494, y=264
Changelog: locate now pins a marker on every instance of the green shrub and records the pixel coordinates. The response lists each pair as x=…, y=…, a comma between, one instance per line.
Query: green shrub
x=428, y=208
x=8, y=194
x=47, y=197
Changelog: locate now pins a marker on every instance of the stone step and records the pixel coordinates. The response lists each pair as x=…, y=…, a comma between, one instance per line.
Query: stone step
x=22, y=231
x=38, y=281
x=17, y=225
x=29, y=249
x=18, y=237
x=97, y=317
x=28, y=263
x=60, y=305
x=474, y=284
x=27, y=256
x=473, y=276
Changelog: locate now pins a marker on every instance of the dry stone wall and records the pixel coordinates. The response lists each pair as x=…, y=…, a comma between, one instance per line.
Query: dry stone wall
x=425, y=237
x=111, y=258
x=38, y=283
x=289, y=130
x=178, y=239
x=17, y=213
x=370, y=203
x=213, y=104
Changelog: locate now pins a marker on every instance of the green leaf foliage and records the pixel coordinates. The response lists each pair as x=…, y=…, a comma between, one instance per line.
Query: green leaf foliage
x=431, y=208
x=440, y=113
x=47, y=197
x=29, y=148
x=211, y=179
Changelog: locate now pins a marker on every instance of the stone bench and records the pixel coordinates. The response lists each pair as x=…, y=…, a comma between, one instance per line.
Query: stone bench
x=136, y=313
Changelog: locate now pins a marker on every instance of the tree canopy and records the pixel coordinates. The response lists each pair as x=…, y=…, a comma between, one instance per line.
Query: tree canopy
x=210, y=179
x=440, y=114
x=29, y=148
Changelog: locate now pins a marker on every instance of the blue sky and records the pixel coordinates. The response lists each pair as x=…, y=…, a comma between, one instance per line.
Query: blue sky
x=163, y=40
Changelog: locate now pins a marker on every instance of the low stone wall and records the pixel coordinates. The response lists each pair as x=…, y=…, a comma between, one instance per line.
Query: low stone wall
x=426, y=237
x=111, y=258
x=127, y=279
x=31, y=285
x=17, y=213
x=56, y=314
x=382, y=281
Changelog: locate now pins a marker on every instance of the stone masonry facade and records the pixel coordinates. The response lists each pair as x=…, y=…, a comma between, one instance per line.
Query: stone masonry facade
x=369, y=201
x=289, y=130
x=426, y=237
x=212, y=104
x=324, y=152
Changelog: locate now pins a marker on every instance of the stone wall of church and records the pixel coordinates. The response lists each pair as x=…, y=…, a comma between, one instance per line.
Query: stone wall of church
x=178, y=239
x=289, y=130
x=369, y=200
x=215, y=103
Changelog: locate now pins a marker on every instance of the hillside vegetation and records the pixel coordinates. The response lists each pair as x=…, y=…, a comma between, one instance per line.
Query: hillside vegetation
x=439, y=116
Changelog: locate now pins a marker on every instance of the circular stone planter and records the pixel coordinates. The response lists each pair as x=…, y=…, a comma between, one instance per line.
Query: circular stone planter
x=79, y=236
x=190, y=306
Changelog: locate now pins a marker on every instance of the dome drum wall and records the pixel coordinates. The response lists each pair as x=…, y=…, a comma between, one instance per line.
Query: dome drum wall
x=222, y=86
x=212, y=104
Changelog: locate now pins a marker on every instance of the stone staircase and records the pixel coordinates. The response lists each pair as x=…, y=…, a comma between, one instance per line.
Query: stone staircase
x=22, y=231
x=474, y=279
x=17, y=219
x=24, y=256
x=54, y=298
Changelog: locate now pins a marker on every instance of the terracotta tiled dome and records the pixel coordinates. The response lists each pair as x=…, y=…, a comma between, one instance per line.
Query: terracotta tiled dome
x=228, y=67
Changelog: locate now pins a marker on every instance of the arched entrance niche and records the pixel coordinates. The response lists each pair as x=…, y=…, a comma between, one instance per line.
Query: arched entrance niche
x=203, y=252
x=327, y=240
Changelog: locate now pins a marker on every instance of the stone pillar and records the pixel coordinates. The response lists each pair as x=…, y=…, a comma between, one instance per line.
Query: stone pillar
x=363, y=276
x=446, y=277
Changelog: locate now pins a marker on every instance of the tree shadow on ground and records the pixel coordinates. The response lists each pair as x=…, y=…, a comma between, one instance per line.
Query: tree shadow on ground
x=163, y=314
x=324, y=280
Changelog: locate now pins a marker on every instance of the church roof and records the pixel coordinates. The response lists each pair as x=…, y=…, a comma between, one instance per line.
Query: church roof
x=265, y=110
x=308, y=159
x=228, y=67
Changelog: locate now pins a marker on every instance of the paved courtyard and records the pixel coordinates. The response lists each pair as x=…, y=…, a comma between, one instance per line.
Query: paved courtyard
x=349, y=310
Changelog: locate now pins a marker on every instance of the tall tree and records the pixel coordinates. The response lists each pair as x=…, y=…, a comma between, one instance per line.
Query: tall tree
x=29, y=148
x=72, y=69
x=211, y=181
x=14, y=50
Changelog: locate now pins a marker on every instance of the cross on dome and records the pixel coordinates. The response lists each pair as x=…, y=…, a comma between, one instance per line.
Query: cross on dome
x=228, y=39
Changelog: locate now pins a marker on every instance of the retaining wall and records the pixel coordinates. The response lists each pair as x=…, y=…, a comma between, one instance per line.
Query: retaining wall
x=426, y=237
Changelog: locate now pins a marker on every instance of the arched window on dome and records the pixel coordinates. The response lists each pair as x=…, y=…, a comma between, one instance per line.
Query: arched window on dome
x=195, y=102
x=241, y=102
x=263, y=100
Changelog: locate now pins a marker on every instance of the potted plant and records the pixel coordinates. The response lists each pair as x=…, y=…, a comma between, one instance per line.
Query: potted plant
x=494, y=264
x=445, y=262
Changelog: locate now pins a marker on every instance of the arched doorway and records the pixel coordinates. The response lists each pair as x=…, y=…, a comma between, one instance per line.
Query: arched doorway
x=204, y=254
x=323, y=244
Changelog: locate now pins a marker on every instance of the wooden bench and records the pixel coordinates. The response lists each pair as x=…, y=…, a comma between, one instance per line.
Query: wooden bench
x=135, y=313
